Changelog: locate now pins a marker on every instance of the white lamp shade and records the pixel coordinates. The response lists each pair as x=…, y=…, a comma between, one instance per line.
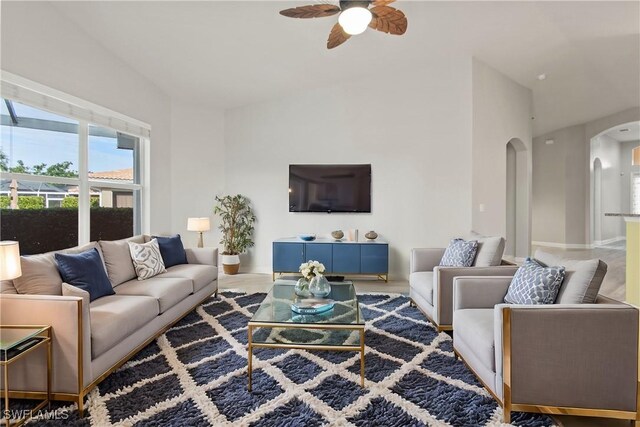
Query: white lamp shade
x=198, y=224
x=355, y=20
x=635, y=157
x=9, y=260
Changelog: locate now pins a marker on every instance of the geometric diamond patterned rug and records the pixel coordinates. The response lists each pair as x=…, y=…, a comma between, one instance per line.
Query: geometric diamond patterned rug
x=196, y=375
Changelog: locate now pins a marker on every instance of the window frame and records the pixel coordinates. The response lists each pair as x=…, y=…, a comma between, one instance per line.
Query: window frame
x=79, y=109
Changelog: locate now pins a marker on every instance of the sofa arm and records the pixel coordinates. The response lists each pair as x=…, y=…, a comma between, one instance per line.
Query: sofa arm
x=206, y=256
x=443, y=286
x=71, y=342
x=479, y=292
x=551, y=351
x=425, y=259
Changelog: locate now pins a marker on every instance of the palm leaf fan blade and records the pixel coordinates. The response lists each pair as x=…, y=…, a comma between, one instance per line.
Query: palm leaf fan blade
x=337, y=36
x=311, y=11
x=388, y=20
x=381, y=2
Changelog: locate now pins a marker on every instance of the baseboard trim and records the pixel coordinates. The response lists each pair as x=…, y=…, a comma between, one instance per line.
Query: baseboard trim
x=563, y=245
x=608, y=241
x=578, y=245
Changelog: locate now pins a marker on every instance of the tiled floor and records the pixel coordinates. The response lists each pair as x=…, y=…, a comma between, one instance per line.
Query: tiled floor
x=613, y=287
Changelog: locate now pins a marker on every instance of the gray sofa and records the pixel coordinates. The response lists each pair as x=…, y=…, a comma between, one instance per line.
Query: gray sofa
x=431, y=285
x=563, y=358
x=91, y=340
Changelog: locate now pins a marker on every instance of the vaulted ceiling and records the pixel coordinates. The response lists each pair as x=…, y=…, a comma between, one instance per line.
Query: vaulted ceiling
x=231, y=53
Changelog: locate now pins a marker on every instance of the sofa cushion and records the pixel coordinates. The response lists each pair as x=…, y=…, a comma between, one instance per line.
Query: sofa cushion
x=459, y=253
x=475, y=328
x=200, y=275
x=582, y=279
x=85, y=271
x=7, y=287
x=535, y=283
x=172, y=250
x=115, y=317
x=147, y=259
x=490, y=250
x=421, y=282
x=40, y=276
x=168, y=291
x=117, y=259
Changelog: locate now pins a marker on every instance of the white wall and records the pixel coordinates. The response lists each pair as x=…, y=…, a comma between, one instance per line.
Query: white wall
x=607, y=150
x=197, y=168
x=41, y=45
x=414, y=128
x=559, y=185
x=502, y=110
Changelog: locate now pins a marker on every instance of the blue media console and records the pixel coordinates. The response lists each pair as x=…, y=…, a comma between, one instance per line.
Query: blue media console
x=339, y=258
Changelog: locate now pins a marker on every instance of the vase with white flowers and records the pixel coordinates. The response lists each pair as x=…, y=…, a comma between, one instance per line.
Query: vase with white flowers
x=313, y=271
x=309, y=270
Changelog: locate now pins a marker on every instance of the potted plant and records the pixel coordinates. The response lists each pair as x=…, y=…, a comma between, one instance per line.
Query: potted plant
x=236, y=224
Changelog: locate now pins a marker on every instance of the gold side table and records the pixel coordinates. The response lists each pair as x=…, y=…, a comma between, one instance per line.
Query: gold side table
x=16, y=341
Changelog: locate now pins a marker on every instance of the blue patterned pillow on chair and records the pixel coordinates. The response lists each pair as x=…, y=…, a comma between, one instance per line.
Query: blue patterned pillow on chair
x=534, y=283
x=459, y=253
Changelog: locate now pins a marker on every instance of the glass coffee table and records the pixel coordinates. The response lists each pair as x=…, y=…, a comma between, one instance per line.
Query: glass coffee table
x=275, y=325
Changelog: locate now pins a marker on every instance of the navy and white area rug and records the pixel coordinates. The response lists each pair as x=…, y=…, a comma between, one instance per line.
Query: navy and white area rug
x=196, y=375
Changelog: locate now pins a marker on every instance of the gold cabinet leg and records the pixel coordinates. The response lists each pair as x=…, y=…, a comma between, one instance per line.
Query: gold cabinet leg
x=250, y=355
x=362, y=358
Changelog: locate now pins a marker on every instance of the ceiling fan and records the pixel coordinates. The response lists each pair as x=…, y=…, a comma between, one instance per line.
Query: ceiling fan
x=355, y=16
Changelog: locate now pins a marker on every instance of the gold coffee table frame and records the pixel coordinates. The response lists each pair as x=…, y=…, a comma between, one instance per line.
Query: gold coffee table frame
x=358, y=326
x=44, y=334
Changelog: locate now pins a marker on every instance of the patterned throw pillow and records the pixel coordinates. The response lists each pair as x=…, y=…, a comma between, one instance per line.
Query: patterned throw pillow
x=460, y=253
x=534, y=284
x=147, y=259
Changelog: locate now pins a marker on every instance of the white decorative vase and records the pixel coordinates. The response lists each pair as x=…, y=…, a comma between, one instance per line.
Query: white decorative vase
x=230, y=264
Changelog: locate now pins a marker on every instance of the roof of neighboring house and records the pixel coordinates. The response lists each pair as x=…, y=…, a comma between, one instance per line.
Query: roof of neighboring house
x=119, y=174
x=32, y=186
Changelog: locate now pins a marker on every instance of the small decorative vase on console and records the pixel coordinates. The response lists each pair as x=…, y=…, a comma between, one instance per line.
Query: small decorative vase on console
x=319, y=286
x=302, y=288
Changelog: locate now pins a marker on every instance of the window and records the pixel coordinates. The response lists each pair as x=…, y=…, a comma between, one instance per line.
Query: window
x=635, y=193
x=68, y=177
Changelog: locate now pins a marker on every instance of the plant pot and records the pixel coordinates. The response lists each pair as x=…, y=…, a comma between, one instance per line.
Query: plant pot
x=230, y=264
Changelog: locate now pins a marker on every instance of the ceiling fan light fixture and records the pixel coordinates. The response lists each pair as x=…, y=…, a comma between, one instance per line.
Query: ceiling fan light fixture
x=355, y=20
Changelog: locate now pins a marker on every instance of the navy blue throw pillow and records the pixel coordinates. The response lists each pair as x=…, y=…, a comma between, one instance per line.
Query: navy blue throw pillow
x=172, y=250
x=85, y=271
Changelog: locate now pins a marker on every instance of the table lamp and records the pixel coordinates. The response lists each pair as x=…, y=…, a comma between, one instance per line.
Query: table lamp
x=199, y=225
x=9, y=260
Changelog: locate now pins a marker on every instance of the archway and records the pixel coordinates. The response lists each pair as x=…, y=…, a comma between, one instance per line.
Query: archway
x=517, y=203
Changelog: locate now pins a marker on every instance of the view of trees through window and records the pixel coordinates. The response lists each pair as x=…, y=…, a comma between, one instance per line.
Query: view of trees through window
x=42, y=189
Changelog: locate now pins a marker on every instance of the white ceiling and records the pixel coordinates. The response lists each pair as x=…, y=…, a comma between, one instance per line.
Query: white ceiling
x=231, y=53
x=632, y=132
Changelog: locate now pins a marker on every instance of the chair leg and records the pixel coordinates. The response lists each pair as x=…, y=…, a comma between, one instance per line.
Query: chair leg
x=411, y=303
x=506, y=416
x=81, y=405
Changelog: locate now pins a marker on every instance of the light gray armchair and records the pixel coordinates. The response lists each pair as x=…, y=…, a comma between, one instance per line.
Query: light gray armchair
x=431, y=285
x=573, y=359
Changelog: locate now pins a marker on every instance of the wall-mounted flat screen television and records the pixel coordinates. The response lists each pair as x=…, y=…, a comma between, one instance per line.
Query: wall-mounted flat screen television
x=329, y=188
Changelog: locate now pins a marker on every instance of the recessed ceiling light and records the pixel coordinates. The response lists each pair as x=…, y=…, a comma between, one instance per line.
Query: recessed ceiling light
x=542, y=76
x=624, y=130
